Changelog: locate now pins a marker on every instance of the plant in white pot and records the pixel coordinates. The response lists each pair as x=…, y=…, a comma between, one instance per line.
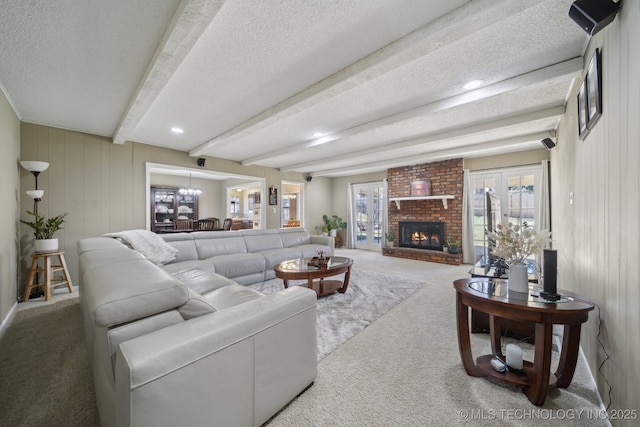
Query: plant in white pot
x=43, y=231
x=390, y=235
x=333, y=224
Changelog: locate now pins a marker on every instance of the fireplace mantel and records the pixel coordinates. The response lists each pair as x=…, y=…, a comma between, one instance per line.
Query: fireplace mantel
x=444, y=199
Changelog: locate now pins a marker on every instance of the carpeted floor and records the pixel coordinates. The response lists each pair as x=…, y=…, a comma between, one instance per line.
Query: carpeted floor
x=402, y=369
x=341, y=316
x=44, y=374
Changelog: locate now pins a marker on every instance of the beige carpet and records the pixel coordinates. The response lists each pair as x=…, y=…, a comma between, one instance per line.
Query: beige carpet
x=401, y=370
x=405, y=370
x=44, y=374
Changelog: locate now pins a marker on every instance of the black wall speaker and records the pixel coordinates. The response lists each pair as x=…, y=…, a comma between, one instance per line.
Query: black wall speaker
x=593, y=15
x=201, y=161
x=550, y=275
x=308, y=178
x=547, y=142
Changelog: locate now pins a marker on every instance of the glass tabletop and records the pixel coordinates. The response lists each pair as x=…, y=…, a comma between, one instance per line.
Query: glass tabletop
x=302, y=264
x=500, y=288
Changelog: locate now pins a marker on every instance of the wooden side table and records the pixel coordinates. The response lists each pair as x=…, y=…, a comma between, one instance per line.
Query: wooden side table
x=49, y=269
x=492, y=296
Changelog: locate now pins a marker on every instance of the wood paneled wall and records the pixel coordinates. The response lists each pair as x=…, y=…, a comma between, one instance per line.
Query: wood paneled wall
x=10, y=195
x=597, y=235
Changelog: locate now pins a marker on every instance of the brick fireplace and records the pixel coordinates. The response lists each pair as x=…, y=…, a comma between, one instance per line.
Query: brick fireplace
x=446, y=178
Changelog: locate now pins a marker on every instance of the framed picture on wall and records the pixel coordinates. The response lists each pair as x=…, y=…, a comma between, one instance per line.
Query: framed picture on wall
x=594, y=89
x=582, y=110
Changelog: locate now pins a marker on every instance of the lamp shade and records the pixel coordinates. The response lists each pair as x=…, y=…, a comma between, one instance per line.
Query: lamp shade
x=35, y=194
x=34, y=166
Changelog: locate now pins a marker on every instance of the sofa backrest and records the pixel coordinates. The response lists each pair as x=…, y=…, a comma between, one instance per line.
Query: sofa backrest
x=213, y=243
x=260, y=242
x=185, y=245
x=294, y=237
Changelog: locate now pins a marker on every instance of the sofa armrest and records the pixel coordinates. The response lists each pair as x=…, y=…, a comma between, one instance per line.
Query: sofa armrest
x=246, y=360
x=324, y=240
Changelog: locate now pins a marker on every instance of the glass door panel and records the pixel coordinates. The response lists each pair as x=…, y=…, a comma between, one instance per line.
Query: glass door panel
x=516, y=198
x=368, y=206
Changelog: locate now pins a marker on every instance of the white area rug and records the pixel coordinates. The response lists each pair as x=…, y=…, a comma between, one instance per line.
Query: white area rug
x=341, y=316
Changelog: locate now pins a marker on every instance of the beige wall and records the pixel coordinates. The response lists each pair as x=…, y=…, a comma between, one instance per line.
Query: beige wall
x=101, y=185
x=10, y=195
x=521, y=158
x=597, y=236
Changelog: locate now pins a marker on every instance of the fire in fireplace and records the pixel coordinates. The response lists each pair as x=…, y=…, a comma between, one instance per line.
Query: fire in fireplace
x=422, y=235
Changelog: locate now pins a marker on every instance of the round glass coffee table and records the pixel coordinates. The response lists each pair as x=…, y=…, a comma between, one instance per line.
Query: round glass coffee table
x=299, y=269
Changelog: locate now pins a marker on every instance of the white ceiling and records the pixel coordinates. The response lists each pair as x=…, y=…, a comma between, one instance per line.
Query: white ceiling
x=251, y=81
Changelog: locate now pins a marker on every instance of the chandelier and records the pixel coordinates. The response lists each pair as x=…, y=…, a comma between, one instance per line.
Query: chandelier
x=189, y=189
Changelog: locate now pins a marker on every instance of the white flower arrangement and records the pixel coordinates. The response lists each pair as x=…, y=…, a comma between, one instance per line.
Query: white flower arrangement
x=514, y=243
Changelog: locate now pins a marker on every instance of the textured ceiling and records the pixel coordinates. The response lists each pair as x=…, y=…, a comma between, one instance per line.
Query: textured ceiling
x=251, y=81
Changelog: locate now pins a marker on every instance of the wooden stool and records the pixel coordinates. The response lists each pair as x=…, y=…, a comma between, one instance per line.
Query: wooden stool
x=49, y=271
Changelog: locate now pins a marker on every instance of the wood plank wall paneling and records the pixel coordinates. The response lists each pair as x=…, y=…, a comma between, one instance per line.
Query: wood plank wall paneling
x=598, y=235
x=10, y=194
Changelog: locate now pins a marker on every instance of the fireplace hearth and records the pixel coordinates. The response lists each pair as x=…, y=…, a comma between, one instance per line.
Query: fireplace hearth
x=421, y=235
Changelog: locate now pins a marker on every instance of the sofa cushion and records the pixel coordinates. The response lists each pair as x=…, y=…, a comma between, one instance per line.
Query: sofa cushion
x=202, y=281
x=229, y=243
x=276, y=256
x=238, y=264
x=257, y=243
x=94, y=243
x=141, y=290
x=294, y=238
x=177, y=267
x=186, y=250
x=109, y=255
x=196, y=306
x=232, y=295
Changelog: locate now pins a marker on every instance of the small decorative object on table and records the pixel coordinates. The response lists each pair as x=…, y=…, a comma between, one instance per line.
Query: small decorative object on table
x=320, y=260
x=514, y=243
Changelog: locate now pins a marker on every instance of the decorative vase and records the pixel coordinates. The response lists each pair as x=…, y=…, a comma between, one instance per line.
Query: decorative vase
x=518, y=277
x=333, y=232
x=45, y=245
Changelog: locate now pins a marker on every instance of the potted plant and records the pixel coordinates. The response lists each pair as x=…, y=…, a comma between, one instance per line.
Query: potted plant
x=43, y=231
x=390, y=235
x=333, y=224
x=453, y=245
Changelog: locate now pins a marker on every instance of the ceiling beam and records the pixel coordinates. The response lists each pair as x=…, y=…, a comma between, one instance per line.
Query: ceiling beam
x=437, y=140
x=190, y=20
x=567, y=69
x=461, y=23
x=511, y=144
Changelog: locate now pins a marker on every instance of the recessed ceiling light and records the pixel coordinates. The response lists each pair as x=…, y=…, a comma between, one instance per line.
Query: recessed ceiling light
x=473, y=84
x=177, y=130
x=317, y=134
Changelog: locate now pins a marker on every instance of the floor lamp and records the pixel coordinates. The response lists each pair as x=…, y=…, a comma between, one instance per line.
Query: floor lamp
x=35, y=168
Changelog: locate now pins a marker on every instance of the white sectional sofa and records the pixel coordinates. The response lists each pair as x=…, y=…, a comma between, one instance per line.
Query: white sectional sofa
x=246, y=256
x=181, y=344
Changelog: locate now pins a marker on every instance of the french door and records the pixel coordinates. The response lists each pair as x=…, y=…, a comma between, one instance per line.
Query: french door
x=368, y=203
x=518, y=192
